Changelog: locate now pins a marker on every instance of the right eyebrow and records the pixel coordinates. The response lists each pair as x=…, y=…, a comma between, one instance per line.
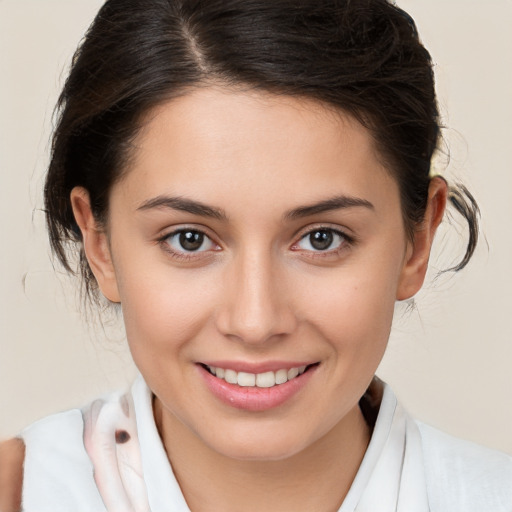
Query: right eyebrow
x=183, y=204
x=333, y=203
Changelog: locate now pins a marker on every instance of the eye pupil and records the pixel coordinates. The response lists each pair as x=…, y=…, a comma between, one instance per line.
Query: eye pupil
x=191, y=240
x=321, y=239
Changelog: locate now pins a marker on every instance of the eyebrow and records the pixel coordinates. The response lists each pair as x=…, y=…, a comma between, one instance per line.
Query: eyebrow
x=333, y=203
x=198, y=208
x=184, y=205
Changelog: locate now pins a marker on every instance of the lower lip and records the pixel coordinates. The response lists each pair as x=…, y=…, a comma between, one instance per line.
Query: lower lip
x=254, y=398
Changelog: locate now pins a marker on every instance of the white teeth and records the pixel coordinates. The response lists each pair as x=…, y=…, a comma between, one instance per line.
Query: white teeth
x=260, y=380
x=266, y=380
x=246, y=379
x=281, y=376
x=292, y=373
x=230, y=376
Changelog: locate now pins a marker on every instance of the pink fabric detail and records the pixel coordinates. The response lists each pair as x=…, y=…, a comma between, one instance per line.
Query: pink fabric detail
x=111, y=441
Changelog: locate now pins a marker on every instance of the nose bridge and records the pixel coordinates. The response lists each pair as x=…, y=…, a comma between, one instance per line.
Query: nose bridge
x=256, y=308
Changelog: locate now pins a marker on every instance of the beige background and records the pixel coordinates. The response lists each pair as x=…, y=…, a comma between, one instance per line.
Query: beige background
x=450, y=361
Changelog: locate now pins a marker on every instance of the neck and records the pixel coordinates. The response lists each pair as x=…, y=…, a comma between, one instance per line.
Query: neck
x=212, y=482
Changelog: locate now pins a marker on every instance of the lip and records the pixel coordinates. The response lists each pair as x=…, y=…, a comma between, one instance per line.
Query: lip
x=268, y=366
x=253, y=398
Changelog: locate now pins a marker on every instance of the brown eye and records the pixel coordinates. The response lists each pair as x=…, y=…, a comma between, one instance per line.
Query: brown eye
x=322, y=240
x=189, y=240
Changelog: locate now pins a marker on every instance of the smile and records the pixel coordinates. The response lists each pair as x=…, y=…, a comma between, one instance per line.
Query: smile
x=256, y=387
x=259, y=380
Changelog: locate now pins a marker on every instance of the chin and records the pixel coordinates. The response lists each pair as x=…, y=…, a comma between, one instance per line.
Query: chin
x=259, y=453
x=259, y=443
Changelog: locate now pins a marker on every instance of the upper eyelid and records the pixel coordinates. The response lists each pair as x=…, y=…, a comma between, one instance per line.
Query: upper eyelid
x=346, y=242
x=185, y=254
x=167, y=232
x=299, y=234
x=344, y=238
x=346, y=233
x=162, y=240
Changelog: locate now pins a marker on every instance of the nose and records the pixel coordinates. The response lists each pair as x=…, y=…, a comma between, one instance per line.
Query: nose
x=255, y=307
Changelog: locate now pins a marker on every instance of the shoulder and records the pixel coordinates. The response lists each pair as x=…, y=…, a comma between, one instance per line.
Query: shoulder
x=463, y=476
x=60, y=435
x=77, y=460
x=58, y=474
x=12, y=454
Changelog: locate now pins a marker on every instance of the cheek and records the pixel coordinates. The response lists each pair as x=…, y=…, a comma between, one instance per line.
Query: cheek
x=353, y=309
x=163, y=309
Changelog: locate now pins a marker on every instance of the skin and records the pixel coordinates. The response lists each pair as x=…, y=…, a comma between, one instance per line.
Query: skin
x=12, y=453
x=259, y=291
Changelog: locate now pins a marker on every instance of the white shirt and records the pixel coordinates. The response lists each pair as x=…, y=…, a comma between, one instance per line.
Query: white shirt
x=109, y=457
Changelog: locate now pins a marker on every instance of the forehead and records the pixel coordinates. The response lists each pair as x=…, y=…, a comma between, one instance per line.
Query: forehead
x=223, y=144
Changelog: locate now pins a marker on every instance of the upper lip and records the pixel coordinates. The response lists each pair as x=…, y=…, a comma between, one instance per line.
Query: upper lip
x=261, y=367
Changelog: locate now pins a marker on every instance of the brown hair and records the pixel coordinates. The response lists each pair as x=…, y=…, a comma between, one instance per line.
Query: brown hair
x=361, y=56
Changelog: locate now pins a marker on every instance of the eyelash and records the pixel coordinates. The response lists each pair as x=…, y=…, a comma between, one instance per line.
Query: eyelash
x=346, y=241
x=183, y=255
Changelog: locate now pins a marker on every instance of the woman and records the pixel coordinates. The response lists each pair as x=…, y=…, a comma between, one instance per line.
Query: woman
x=251, y=182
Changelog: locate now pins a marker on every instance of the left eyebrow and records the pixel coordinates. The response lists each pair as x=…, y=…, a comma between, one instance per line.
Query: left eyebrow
x=333, y=203
x=183, y=204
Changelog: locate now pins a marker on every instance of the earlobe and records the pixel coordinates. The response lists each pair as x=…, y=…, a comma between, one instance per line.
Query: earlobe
x=95, y=243
x=418, y=252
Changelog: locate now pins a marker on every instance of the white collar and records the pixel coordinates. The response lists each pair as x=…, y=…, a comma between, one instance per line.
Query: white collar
x=391, y=477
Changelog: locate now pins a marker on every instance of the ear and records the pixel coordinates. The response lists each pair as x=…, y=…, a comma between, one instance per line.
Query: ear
x=96, y=246
x=418, y=252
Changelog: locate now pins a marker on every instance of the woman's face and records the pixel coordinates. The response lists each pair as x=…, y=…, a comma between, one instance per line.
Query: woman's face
x=252, y=236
